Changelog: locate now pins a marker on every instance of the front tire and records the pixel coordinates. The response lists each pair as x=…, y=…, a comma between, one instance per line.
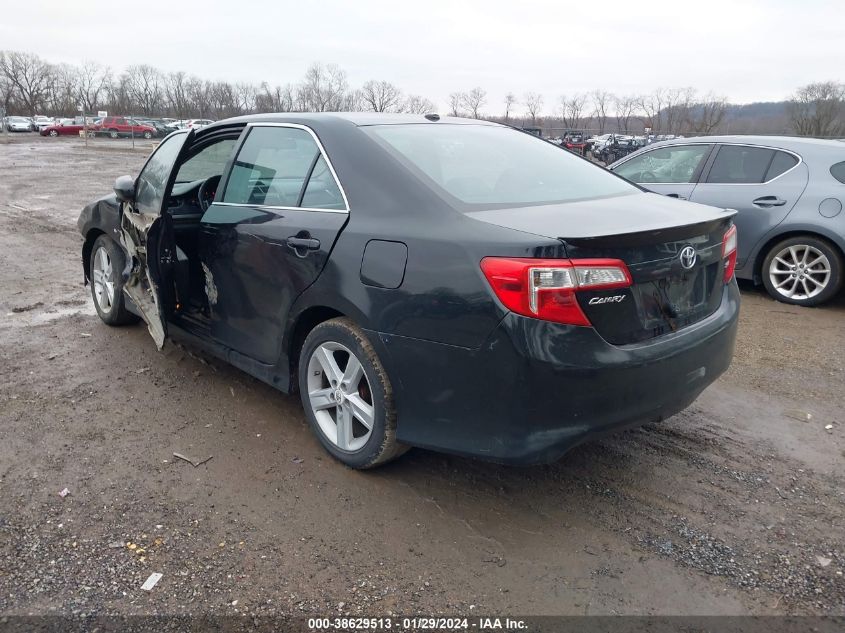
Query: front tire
x=148, y=135
x=347, y=395
x=53, y=133
x=114, y=133
x=104, y=271
x=802, y=270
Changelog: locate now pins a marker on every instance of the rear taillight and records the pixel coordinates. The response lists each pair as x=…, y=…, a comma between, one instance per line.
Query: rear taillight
x=545, y=288
x=729, y=253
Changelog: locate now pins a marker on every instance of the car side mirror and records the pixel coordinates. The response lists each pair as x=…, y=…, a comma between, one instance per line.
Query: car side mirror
x=124, y=188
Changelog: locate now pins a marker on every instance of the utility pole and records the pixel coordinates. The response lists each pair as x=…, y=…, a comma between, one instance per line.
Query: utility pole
x=84, y=124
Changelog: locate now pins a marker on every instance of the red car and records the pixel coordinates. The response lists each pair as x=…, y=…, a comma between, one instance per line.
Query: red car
x=72, y=129
x=116, y=126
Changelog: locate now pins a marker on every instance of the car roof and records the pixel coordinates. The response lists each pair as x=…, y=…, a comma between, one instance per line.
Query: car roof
x=355, y=118
x=794, y=143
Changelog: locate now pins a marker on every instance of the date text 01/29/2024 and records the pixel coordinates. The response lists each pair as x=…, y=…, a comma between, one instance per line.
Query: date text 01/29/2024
x=416, y=624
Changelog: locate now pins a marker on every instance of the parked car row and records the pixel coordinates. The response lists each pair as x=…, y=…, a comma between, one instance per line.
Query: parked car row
x=110, y=126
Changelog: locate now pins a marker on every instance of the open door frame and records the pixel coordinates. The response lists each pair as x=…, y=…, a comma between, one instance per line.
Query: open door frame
x=140, y=235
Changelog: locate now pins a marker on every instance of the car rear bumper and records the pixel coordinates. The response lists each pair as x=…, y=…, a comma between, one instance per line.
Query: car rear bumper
x=536, y=389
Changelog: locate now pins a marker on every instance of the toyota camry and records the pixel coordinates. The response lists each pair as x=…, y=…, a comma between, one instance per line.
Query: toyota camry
x=444, y=283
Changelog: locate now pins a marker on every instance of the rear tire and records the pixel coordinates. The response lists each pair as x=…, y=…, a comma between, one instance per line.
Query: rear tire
x=803, y=270
x=104, y=271
x=114, y=133
x=344, y=389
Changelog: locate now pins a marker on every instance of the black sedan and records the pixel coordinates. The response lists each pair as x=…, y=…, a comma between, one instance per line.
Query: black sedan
x=444, y=283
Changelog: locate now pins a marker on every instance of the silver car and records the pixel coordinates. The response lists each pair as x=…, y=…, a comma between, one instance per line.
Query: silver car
x=789, y=193
x=19, y=124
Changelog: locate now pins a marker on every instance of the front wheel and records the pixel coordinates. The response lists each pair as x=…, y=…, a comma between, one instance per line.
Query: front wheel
x=106, y=264
x=802, y=270
x=114, y=133
x=53, y=133
x=148, y=135
x=347, y=396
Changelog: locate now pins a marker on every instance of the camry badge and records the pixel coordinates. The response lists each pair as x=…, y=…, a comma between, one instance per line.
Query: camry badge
x=688, y=257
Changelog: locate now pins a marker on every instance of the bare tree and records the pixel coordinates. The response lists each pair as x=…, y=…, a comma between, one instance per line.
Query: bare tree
x=456, y=102
x=90, y=83
x=198, y=93
x=602, y=101
x=818, y=109
x=29, y=79
x=572, y=109
x=510, y=102
x=474, y=100
x=650, y=107
x=626, y=108
x=677, y=103
x=706, y=115
x=381, y=96
x=415, y=104
x=276, y=99
x=323, y=89
x=246, y=95
x=145, y=88
x=62, y=95
x=176, y=94
x=534, y=105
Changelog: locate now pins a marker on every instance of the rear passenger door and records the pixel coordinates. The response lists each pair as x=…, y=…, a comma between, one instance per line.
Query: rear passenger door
x=671, y=170
x=268, y=235
x=761, y=183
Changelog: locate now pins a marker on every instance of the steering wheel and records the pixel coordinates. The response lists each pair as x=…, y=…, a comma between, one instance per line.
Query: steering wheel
x=207, y=191
x=647, y=176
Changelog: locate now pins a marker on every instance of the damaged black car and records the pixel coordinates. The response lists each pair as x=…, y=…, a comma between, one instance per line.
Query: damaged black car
x=446, y=283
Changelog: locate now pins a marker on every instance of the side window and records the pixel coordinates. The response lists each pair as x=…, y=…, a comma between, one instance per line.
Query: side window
x=209, y=161
x=272, y=166
x=838, y=171
x=781, y=163
x=740, y=164
x=120, y=121
x=322, y=191
x=149, y=191
x=673, y=164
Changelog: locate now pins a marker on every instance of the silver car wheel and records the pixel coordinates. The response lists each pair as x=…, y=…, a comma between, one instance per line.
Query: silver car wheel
x=101, y=276
x=340, y=396
x=799, y=272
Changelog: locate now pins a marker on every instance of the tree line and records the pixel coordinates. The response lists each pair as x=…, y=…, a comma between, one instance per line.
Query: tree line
x=30, y=85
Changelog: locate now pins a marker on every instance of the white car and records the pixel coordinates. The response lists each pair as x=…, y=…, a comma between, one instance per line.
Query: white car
x=19, y=124
x=600, y=142
x=198, y=123
x=42, y=121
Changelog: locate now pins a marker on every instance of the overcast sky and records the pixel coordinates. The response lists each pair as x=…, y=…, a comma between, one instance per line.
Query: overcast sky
x=746, y=51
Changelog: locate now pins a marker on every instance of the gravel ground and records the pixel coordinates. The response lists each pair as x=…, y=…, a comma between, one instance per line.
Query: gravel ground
x=734, y=506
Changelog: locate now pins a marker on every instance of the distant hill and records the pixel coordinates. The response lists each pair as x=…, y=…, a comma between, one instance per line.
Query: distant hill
x=768, y=117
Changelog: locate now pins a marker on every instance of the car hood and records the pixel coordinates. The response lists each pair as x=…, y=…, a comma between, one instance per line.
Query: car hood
x=616, y=215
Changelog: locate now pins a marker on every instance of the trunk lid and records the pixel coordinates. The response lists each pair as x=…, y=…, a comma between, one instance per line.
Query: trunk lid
x=672, y=248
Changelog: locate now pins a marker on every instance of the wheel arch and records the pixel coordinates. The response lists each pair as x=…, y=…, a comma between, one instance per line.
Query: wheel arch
x=87, y=246
x=762, y=251
x=301, y=325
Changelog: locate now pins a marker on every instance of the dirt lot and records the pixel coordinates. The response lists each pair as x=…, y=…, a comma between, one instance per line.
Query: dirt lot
x=734, y=506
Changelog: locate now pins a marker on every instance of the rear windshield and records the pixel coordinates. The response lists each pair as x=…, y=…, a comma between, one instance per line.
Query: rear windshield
x=483, y=165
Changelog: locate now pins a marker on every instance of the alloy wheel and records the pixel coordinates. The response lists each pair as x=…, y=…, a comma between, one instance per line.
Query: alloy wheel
x=101, y=276
x=340, y=396
x=799, y=272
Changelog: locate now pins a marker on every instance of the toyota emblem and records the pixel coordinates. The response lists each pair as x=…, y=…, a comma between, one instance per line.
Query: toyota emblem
x=688, y=257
